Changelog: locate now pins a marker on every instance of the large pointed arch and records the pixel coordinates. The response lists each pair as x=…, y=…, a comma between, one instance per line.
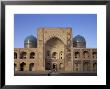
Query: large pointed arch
x=54, y=46
x=62, y=38
x=54, y=37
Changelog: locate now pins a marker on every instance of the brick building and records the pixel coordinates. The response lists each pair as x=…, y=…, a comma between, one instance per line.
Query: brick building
x=55, y=48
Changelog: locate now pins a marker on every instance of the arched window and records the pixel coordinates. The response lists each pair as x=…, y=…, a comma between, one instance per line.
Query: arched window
x=23, y=55
x=77, y=54
x=54, y=54
x=22, y=66
x=32, y=55
x=31, y=67
x=15, y=66
x=94, y=54
x=15, y=55
x=86, y=54
x=86, y=66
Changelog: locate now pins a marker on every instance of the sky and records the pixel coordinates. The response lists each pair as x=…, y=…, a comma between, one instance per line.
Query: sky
x=81, y=24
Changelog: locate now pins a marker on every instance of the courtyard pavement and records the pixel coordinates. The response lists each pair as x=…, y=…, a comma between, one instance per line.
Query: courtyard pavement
x=40, y=73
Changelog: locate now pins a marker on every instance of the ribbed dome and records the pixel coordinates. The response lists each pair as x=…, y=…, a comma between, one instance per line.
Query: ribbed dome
x=30, y=42
x=78, y=39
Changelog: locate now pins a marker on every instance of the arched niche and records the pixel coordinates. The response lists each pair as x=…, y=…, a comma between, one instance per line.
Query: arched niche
x=53, y=47
x=15, y=55
x=54, y=55
x=23, y=55
x=56, y=35
x=86, y=66
x=22, y=66
x=15, y=67
x=32, y=55
x=94, y=55
x=31, y=67
x=77, y=55
x=85, y=54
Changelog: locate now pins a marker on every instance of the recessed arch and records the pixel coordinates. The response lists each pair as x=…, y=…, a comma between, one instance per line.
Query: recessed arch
x=77, y=54
x=22, y=66
x=15, y=55
x=55, y=36
x=94, y=55
x=15, y=66
x=32, y=55
x=54, y=55
x=85, y=54
x=86, y=66
x=53, y=47
x=23, y=55
x=31, y=67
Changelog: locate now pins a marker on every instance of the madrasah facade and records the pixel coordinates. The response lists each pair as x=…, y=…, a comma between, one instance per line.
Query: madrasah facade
x=55, y=49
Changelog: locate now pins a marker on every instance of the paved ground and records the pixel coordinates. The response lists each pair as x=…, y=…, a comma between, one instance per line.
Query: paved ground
x=56, y=74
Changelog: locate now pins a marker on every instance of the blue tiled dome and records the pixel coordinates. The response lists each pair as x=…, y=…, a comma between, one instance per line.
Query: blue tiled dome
x=79, y=39
x=30, y=38
x=31, y=41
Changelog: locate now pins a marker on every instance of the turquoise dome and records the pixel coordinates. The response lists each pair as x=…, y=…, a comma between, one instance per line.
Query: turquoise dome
x=30, y=38
x=30, y=42
x=79, y=39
